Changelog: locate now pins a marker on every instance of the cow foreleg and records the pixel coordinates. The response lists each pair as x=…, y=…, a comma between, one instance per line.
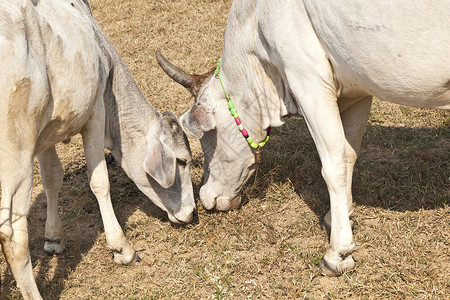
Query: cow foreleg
x=93, y=142
x=354, y=120
x=322, y=116
x=52, y=178
x=17, y=181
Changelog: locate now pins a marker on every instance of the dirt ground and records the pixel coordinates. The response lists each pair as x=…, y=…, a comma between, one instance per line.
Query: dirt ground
x=270, y=247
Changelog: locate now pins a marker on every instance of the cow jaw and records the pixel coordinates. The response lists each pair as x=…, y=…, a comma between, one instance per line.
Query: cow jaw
x=185, y=213
x=177, y=212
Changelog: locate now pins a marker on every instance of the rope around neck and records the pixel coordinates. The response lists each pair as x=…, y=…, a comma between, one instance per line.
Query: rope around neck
x=233, y=111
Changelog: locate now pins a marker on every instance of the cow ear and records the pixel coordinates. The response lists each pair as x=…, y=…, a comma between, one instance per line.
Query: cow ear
x=160, y=162
x=198, y=119
x=199, y=81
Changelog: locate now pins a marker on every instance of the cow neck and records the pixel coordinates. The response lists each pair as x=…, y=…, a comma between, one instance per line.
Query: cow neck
x=257, y=147
x=129, y=113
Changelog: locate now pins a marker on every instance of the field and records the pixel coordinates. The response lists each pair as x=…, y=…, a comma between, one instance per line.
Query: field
x=270, y=247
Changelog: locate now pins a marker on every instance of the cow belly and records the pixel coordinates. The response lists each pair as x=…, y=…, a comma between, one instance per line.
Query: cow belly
x=69, y=106
x=397, y=53
x=59, y=128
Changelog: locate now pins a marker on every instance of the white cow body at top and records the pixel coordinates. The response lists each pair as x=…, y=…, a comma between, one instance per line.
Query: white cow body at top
x=323, y=60
x=60, y=76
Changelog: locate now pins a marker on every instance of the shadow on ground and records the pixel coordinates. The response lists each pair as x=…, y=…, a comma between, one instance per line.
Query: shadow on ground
x=399, y=168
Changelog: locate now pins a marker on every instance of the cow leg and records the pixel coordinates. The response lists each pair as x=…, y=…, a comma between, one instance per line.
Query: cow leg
x=16, y=175
x=52, y=177
x=321, y=113
x=354, y=120
x=93, y=142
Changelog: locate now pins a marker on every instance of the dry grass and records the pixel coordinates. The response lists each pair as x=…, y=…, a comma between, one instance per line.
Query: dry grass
x=271, y=246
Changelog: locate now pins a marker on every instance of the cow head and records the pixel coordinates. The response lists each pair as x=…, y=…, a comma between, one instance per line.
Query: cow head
x=159, y=162
x=229, y=160
x=167, y=161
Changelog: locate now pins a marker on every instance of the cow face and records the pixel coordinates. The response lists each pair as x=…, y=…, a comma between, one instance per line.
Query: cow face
x=229, y=160
x=158, y=161
x=166, y=163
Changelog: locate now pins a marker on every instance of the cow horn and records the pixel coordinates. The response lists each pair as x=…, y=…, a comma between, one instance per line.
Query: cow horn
x=183, y=78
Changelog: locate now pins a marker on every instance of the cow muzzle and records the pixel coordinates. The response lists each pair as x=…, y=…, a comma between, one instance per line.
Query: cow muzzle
x=183, y=216
x=224, y=203
x=218, y=202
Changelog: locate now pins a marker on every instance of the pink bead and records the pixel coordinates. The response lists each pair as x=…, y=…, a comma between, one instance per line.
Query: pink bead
x=244, y=132
x=238, y=121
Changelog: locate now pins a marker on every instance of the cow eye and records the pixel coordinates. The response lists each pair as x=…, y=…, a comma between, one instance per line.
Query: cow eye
x=181, y=162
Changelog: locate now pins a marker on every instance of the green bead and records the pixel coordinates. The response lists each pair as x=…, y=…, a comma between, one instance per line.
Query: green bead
x=249, y=140
x=254, y=145
x=233, y=111
x=266, y=139
x=262, y=144
x=230, y=105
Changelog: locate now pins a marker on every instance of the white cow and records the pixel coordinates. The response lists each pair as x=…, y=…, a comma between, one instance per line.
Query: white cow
x=60, y=76
x=323, y=60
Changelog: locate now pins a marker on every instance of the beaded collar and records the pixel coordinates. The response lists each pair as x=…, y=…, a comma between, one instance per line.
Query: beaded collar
x=253, y=144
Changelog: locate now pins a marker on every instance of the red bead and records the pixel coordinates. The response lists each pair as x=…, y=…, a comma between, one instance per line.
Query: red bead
x=238, y=121
x=269, y=129
x=244, y=133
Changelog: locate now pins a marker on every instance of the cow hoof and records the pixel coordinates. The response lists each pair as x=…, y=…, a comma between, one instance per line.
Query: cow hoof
x=338, y=267
x=55, y=246
x=122, y=258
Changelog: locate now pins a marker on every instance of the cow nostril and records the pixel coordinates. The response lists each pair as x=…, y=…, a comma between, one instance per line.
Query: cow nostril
x=222, y=203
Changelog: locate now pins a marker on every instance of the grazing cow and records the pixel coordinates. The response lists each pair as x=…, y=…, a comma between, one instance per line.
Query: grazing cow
x=60, y=76
x=323, y=60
